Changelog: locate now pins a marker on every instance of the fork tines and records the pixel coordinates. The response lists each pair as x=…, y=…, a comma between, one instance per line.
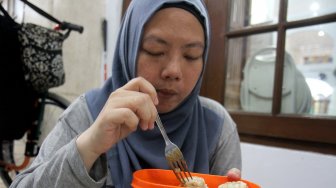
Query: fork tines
x=179, y=166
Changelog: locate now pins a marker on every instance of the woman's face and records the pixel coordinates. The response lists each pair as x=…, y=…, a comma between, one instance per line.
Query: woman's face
x=171, y=55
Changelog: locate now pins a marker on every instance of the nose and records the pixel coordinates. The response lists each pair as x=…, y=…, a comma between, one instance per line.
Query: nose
x=172, y=69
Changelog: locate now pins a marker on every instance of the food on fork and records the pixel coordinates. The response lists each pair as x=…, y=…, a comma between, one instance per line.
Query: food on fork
x=195, y=182
x=233, y=184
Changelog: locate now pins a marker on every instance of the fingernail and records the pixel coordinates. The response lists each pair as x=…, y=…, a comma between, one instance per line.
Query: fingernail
x=156, y=101
x=151, y=126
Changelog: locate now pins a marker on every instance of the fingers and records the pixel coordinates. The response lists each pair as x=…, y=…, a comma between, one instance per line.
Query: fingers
x=139, y=96
x=124, y=117
x=139, y=103
x=140, y=84
x=234, y=174
x=125, y=109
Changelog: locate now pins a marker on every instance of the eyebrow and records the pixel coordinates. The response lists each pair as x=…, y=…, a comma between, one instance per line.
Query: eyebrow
x=153, y=38
x=195, y=45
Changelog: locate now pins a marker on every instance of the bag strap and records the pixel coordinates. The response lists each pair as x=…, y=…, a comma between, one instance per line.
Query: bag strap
x=48, y=16
x=3, y=10
x=40, y=11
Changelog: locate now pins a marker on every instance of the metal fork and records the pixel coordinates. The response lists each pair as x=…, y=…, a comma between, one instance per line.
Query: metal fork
x=174, y=156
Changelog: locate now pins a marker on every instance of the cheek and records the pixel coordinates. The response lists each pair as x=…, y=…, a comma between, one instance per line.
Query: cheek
x=146, y=70
x=191, y=77
x=148, y=75
x=195, y=72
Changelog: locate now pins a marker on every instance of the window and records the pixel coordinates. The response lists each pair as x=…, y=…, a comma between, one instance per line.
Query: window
x=272, y=64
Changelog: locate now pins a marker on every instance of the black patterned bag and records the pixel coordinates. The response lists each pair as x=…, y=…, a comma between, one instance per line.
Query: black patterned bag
x=42, y=56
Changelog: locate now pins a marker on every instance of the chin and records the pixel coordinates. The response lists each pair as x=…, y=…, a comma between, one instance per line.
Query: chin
x=165, y=109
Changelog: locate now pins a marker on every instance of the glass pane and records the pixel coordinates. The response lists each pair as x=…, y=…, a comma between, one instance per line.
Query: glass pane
x=252, y=13
x=299, y=9
x=250, y=73
x=313, y=52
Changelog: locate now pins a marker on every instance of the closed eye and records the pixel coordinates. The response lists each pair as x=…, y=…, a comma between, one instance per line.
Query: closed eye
x=192, y=58
x=152, y=53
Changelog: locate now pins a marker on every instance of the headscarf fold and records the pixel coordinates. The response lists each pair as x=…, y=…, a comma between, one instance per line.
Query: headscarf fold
x=189, y=126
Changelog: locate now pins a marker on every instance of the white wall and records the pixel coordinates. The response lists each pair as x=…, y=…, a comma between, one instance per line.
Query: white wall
x=81, y=52
x=113, y=17
x=272, y=167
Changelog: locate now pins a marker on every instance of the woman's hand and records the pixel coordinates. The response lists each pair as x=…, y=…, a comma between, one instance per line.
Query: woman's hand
x=234, y=174
x=126, y=108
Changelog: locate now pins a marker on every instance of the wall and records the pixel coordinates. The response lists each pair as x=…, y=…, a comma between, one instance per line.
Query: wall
x=81, y=51
x=272, y=167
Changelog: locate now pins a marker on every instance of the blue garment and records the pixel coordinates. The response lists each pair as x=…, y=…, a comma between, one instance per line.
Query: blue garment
x=187, y=125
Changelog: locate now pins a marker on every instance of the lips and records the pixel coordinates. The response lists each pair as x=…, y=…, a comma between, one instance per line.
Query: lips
x=166, y=92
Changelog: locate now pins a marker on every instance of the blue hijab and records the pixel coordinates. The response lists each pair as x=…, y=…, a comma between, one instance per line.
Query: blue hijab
x=187, y=125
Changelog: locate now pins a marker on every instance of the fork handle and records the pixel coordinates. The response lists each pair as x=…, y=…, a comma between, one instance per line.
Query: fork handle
x=162, y=129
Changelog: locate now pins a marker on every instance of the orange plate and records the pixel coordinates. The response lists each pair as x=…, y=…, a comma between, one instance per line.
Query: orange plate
x=158, y=178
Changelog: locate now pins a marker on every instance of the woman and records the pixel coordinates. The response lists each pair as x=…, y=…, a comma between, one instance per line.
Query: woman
x=109, y=133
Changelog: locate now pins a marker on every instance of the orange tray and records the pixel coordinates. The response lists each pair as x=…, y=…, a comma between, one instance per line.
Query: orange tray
x=158, y=178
